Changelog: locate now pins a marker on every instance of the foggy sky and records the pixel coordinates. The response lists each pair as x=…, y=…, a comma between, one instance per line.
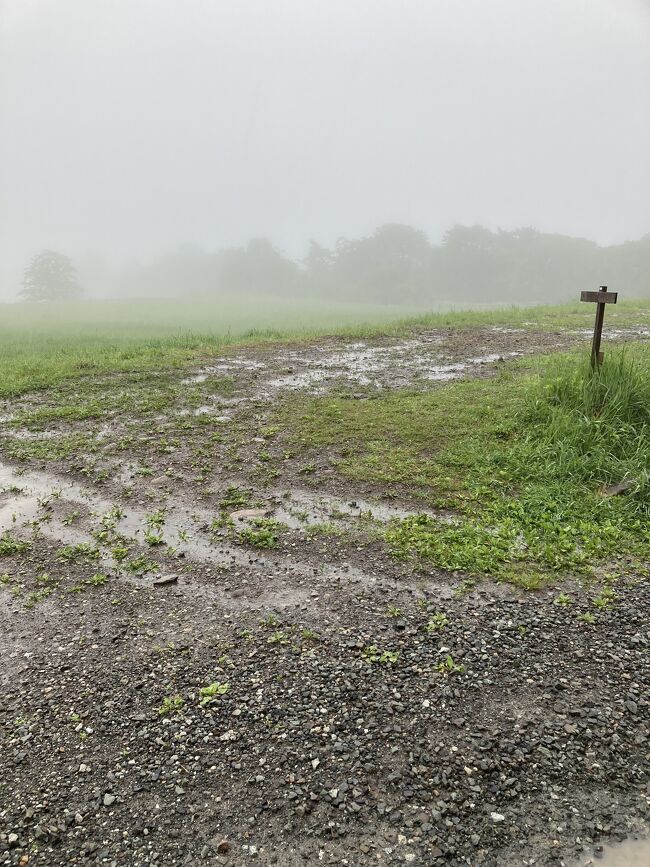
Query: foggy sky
x=129, y=126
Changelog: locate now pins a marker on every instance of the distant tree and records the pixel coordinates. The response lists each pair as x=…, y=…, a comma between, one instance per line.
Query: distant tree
x=258, y=268
x=50, y=276
x=391, y=265
x=319, y=263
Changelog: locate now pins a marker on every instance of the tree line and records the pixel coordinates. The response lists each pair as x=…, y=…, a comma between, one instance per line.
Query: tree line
x=394, y=264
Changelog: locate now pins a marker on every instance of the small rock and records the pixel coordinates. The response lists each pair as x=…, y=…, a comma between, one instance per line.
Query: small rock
x=222, y=847
x=165, y=580
x=619, y=488
x=109, y=799
x=497, y=817
x=245, y=514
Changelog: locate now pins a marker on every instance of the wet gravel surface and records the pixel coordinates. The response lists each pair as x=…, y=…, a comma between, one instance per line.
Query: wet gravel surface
x=354, y=710
x=352, y=742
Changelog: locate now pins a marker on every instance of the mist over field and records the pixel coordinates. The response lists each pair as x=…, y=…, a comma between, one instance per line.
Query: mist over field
x=419, y=154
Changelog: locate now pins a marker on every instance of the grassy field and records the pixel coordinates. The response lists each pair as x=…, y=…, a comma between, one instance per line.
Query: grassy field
x=41, y=345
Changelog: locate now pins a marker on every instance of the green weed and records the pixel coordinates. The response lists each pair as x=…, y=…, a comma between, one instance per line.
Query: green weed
x=437, y=622
x=262, y=534
x=212, y=693
x=448, y=666
x=10, y=546
x=373, y=655
x=81, y=551
x=171, y=704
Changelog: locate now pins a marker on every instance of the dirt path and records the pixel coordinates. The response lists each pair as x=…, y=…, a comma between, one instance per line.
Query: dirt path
x=365, y=712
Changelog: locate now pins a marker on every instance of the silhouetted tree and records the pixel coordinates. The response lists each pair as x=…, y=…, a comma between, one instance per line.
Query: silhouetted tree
x=50, y=276
x=392, y=264
x=257, y=268
x=319, y=263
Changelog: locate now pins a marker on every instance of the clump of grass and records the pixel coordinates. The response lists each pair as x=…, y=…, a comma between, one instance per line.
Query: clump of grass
x=81, y=551
x=234, y=498
x=141, y=565
x=262, y=534
x=449, y=666
x=270, y=621
x=594, y=426
x=9, y=545
x=437, y=622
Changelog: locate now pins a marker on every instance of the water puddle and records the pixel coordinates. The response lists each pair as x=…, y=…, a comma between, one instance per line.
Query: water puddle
x=295, y=381
x=25, y=509
x=301, y=509
x=315, y=369
x=632, y=853
x=614, y=334
x=233, y=364
x=206, y=409
x=235, y=577
x=443, y=373
x=381, y=366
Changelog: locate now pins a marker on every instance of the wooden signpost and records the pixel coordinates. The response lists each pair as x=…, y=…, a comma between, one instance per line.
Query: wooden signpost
x=600, y=298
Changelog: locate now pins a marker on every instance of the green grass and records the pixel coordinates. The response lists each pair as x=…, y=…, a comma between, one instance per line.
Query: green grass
x=42, y=345
x=520, y=460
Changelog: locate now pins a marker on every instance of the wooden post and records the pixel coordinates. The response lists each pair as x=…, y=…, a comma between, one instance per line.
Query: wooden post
x=600, y=298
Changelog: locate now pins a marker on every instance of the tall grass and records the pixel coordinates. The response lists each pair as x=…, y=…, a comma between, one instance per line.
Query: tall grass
x=592, y=426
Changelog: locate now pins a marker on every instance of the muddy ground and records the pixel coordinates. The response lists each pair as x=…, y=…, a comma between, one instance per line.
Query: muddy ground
x=175, y=692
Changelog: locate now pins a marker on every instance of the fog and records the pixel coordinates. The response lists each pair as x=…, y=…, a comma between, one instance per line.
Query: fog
x=151, y=140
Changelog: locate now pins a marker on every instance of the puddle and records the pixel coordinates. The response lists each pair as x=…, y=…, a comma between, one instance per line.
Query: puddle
x=380, y=366
x=206, y=410
x=494, y=356
x=29, y=435
x=37, y=502
x=184, y=527
x=301, y=509
x=632, y=853
x=315, y=369
x=299, y=380
x=225, y=367
x=613, y=334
